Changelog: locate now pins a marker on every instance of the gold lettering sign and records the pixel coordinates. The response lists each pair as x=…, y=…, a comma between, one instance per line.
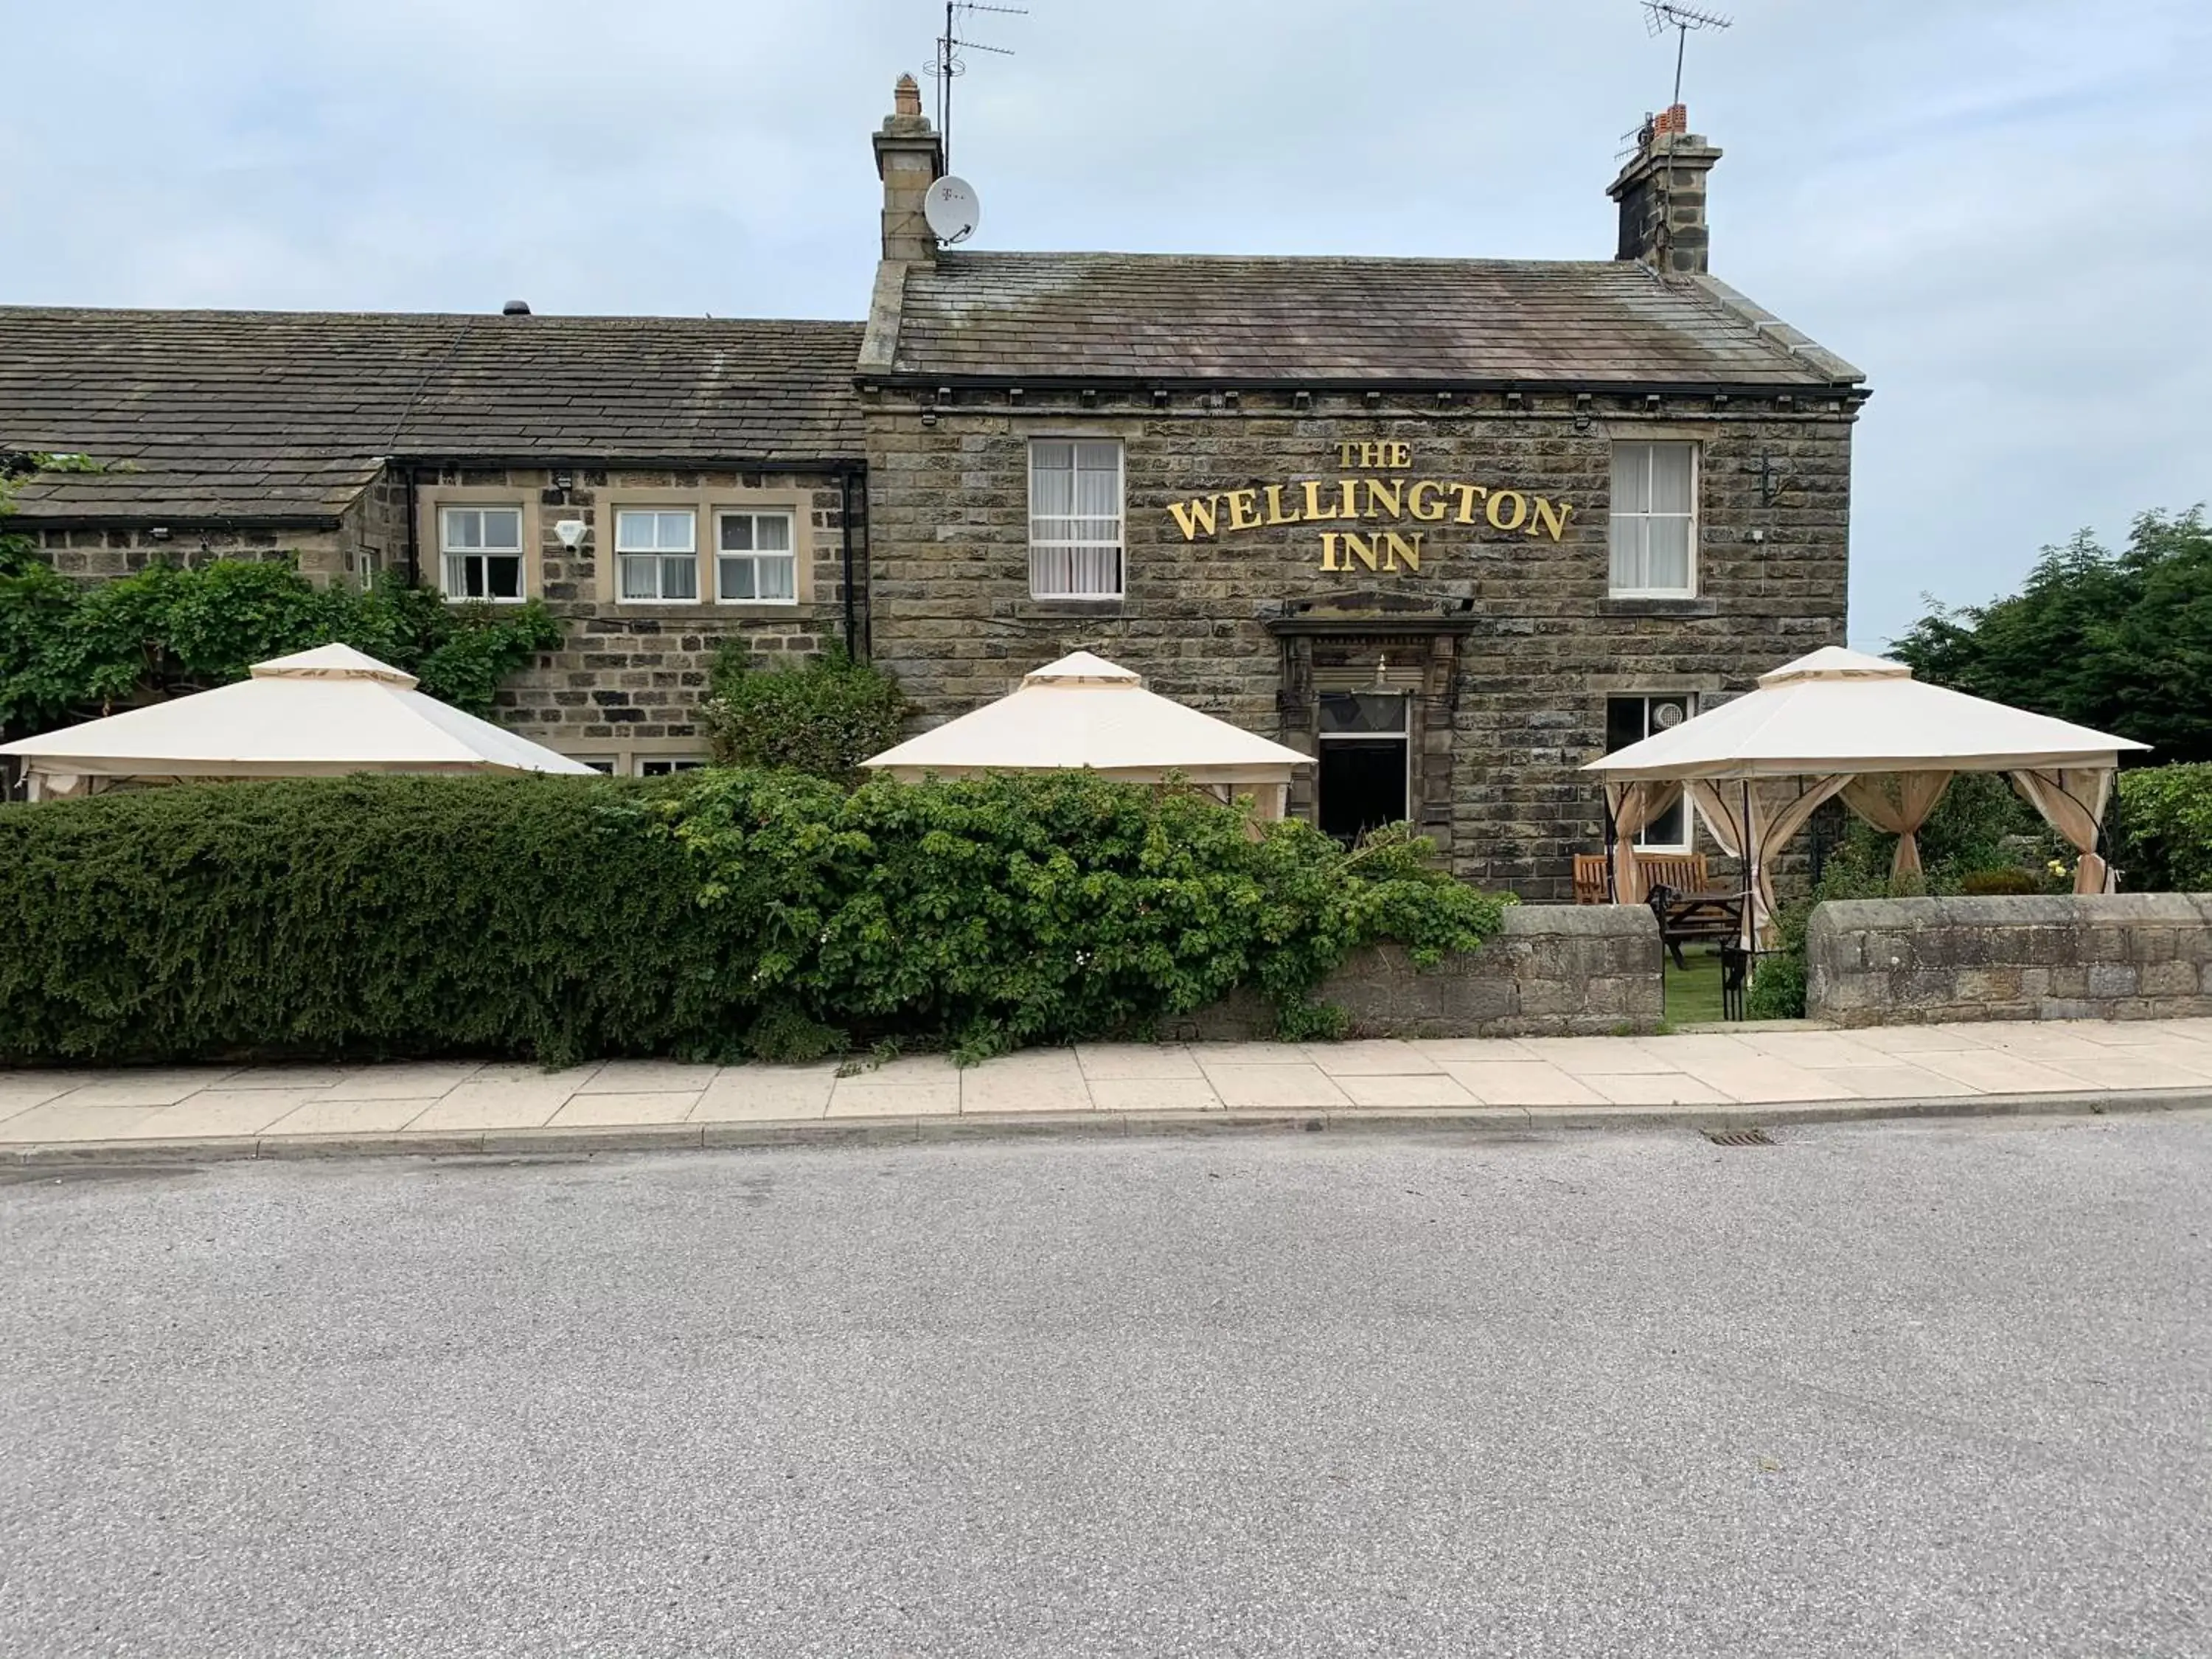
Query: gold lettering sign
x=1369, y=497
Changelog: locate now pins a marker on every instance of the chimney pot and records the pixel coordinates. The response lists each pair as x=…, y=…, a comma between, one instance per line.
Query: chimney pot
x=906, y=96
x=515, y=309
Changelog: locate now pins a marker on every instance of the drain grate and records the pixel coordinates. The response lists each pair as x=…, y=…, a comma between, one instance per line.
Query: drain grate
x=1738, y=1137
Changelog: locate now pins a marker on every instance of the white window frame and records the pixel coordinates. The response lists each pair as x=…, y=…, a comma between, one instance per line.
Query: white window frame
x=789, y=555
x=1652, y=446
x=1689, y=702
x=1118, y=542
x=662, y=766
x=659, y=555
x=448, y=553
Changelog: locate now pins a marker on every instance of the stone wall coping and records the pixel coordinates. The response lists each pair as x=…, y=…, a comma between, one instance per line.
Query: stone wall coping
x=2060, y=909
x=1581, y=921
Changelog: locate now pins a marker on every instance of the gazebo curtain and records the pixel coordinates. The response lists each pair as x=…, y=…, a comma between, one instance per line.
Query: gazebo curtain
x=1765, y=815
x=1898, y=804
x=1633, y=805
x=2072, y=801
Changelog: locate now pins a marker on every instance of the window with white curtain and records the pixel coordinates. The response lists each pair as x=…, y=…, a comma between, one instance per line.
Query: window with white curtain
x=481, y=550
x=753, y=560
x=1655, y=520
x=657, y=554
x=1075, y=519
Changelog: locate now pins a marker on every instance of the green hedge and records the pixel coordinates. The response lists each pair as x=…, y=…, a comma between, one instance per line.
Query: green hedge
x=726, y=913
x=2163, y=829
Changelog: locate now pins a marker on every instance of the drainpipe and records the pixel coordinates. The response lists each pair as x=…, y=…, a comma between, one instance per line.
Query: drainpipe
x=414, y=552
x=845, y=520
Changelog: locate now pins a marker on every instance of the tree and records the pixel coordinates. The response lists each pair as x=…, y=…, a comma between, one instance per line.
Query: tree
x=2120, y=641
x=72, y=651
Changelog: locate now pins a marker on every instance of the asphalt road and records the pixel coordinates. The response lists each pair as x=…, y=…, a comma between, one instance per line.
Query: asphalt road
x=1874, y=1390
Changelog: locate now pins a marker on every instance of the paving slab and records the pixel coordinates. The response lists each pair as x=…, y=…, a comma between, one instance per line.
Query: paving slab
x=757, y=1094
x=1160, y=1094
x=483, y=1103
x=1656, y=1088
x=219, y=1112
x=1037, y=1080
x=1520, y=1082
x=404, y=1079
x=1762, y=1077
x=1211, y=1055
x=288, y=1076
x=161, y=1086
x=1126, y=1062
x=65, y=1120
x=324, y=1116
x=1991, y=1070
x=2134, y=1068
x=600, y=1109
x=858, y=1097
x=1587, y=1056
x=1918, y=1039
x=1371, y=1057
x=21, y=1090
x=648, y=1077
x=1406, y=1089
x=1825, y=1049
x=1300, y=1085
x=1894, y=1081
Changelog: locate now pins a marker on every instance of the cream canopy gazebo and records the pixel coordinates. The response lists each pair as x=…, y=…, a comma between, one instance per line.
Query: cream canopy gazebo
x=1837, y=723
x=331, y=710
x=1083, y=712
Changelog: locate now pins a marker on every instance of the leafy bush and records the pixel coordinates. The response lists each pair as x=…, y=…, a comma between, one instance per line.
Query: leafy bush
x=823, y=717
x=2163, y=839
x=771, y=913
x=2004, y=881
x=72, y=651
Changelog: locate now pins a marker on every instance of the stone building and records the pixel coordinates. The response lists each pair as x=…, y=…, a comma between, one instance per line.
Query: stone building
x=1452, y=526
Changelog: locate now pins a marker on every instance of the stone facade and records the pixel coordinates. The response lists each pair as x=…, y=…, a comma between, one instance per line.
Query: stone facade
x=1556, y=970
x=1927, y=960
x=626, y=685
x=1508, y=641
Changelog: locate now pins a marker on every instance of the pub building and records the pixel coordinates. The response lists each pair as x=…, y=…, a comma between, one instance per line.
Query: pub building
x=1450, y=526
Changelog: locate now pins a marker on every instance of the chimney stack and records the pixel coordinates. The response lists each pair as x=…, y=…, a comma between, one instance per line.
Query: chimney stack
x=1661, y=193
x=909, y=158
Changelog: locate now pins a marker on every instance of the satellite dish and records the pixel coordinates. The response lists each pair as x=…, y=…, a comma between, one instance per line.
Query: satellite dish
x=951, y=210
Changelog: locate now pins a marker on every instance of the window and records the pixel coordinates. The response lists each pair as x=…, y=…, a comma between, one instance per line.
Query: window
x=657, y=554
x=1365, y=761
x=1075, y=520
x=482, y=552
x=1654, y=519
x=1631, y=720
x=602, y=763
x=665, y=765
x=753, y=560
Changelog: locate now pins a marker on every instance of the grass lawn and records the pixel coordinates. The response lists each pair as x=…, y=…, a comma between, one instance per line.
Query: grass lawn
x=1693, y=993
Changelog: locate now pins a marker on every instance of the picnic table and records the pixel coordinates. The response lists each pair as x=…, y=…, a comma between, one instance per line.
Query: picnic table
x=1715, y=913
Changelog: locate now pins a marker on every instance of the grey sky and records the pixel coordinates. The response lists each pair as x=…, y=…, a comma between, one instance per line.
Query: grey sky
x=1996, y=208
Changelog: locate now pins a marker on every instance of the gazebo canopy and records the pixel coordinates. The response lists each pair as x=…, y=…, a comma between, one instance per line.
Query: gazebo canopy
x=1837, y=723
x=1839, y=711
x=1083, y=712
x=330, y=710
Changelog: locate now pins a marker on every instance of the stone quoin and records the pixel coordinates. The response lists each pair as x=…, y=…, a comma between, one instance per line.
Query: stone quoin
x=1451, y=526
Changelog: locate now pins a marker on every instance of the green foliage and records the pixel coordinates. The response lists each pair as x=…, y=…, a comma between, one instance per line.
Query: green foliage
x=2163, y=829
x=2120, y=641
x=724, y=912
x=72, y=651
x=823, y=717
x=2002, y=882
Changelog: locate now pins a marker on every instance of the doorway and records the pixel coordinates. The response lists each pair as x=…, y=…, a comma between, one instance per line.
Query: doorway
x=1365, y=761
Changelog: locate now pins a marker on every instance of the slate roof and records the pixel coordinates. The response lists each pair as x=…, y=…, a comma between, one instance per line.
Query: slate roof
x=1168, y=318
x=277, y=417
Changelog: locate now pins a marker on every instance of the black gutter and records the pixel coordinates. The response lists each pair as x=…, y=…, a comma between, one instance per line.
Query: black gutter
x=1139, y=384
x=822, y=465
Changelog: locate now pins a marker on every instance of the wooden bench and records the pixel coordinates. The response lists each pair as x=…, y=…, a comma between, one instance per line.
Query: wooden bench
x=1684, y=871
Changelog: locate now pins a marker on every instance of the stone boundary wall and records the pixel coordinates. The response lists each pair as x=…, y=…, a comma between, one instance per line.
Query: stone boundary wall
x=1556, y=970
x=1921, y=961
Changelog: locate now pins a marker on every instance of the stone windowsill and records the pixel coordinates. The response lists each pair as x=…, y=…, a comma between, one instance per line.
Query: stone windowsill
x=702, y=615
x=1698, y=607
x=1067, y=607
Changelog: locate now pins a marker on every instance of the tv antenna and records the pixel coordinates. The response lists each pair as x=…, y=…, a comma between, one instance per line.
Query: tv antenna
x=948, y=65
x=1660, y=16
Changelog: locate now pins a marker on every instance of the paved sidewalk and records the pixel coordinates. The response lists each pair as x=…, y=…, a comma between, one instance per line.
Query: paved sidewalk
x=1747, y=1075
